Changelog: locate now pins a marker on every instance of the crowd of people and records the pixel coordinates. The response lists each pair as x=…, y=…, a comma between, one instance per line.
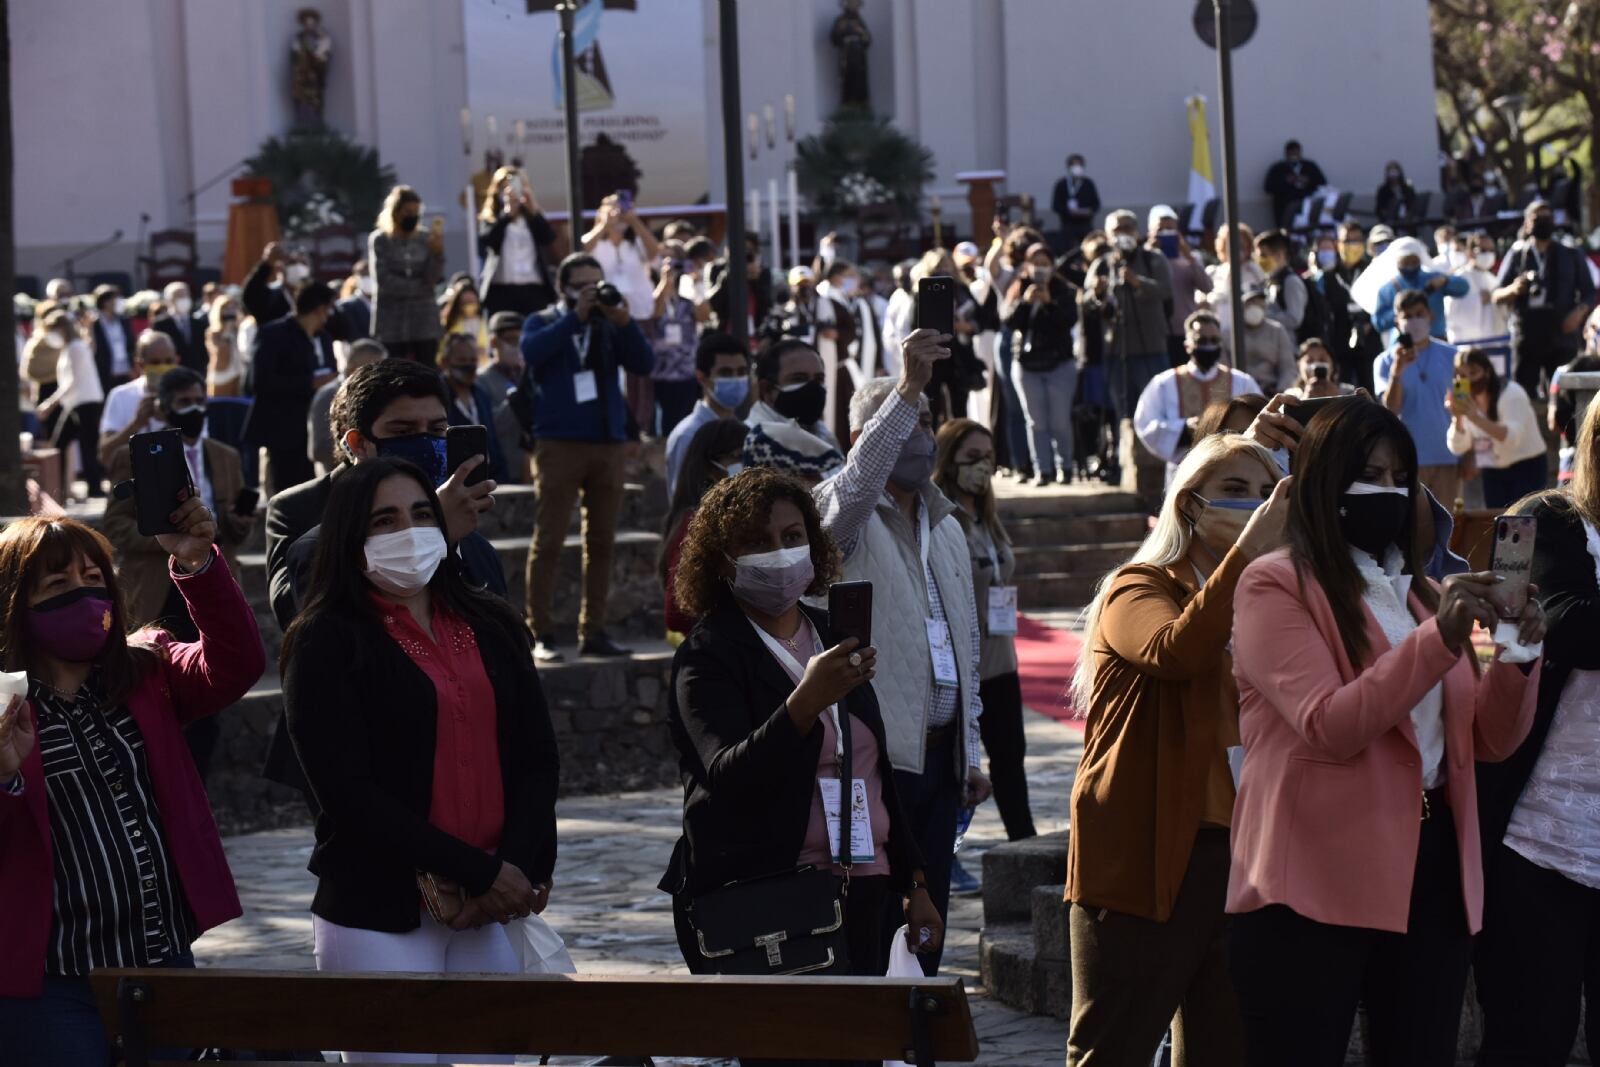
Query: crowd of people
x=1333, y=798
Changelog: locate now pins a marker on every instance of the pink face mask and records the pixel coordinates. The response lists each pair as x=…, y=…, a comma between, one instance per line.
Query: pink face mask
x=73, y=626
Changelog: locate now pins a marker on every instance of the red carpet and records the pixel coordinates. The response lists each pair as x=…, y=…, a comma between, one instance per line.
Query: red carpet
x=1046, y=658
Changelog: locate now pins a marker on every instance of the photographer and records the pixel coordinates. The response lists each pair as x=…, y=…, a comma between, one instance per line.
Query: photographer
x=1318, y=375
x=580, y=422
x=1140, y=284
x=1546, y=285
x=1414, y=380
x=513, y=234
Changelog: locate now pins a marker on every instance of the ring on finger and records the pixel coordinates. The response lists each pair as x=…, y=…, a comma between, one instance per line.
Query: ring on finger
x=855, y=659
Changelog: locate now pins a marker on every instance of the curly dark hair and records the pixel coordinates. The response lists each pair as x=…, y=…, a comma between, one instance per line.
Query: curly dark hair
x=735, y=512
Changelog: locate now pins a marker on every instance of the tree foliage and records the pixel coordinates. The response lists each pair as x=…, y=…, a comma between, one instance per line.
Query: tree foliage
x=318, y=175
x=858, y=158
x=1518, y=76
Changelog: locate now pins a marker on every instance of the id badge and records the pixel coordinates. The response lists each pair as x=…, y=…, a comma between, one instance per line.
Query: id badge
x=584, y=387
x=1002, y=609
x=672, y=334
x=862, y=849
x=944, y=654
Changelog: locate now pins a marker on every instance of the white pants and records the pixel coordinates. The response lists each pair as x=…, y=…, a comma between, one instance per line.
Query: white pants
x=429, y=949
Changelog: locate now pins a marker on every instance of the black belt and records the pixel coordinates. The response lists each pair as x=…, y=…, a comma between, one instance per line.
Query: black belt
x=937, y=735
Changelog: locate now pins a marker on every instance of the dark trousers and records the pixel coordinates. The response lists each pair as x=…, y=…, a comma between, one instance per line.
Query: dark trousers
x=289, y=466
x=1538, y=956
x=931, y=800
x=1538, y=347
x=1299, y=981
x=1505, y=486
x=62, y=1027
x=424, y=352
x=674, y=401
x=1010, y=426
x=864, y=907
x=523, y=299
x=82, y=424
x=1133, y=977
x=1004, y=741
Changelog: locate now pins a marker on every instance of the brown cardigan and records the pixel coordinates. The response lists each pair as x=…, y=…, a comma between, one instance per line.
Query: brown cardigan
x=1163, y=685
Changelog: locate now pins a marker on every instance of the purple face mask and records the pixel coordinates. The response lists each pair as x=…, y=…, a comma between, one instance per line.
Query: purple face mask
x=73, y=626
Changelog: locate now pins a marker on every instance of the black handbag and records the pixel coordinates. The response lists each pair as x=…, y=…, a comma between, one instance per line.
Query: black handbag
x=790, y=922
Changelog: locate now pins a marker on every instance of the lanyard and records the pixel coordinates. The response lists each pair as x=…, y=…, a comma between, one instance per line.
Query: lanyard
x=580, y=341
x=922, y=530
x=796, y=670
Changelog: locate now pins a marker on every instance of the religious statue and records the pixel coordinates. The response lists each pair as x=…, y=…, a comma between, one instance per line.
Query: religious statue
x=852, y=38
x=308, y=67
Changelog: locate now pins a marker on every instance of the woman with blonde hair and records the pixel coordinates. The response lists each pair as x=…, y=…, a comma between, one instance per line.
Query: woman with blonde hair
x=226, y=372
x=964, y=465
x=1147, y=866
x=406, y=265
x=513, y=234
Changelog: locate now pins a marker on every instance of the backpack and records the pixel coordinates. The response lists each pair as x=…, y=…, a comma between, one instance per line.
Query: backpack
x=1314, y=323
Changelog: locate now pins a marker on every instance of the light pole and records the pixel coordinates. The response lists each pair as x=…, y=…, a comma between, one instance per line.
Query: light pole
x=470, y=197
x=569, y=100
x=733, y=162
x=1222, y=9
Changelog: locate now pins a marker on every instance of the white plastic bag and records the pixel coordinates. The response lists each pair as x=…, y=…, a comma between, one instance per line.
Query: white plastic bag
x=539, y=947
x=903, y=963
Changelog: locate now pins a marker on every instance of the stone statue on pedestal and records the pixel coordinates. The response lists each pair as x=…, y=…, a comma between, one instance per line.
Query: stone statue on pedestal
x=308, y=67
x=852, y=38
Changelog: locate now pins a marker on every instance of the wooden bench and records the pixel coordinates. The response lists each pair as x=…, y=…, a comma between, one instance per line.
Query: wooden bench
x=558, y=1015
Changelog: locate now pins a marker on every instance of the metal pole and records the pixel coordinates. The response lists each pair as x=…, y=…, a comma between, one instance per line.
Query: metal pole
x=733, y=162
x=1230, y=189
x=569, y=100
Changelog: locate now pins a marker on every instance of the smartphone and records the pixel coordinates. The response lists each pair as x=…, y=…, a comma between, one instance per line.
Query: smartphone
x=160, y=473
x=246, y=502
x=1512, y=560
x=624, y=200
x=850, y=611
x=461, y=443
x=936, y=304
x=436, y=224
x=1306, y=410
x=1463, y=387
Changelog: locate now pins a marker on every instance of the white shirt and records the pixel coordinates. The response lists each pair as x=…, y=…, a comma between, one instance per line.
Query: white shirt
x=1387, y=590
x=519, y=255
x=1472, y=318
x=1158, y=417
x=77, y=378
x=625, y=268
x=119, y=345
x=1556, y=823
x=1523, y=437
x=122, y=405
x=896, y=327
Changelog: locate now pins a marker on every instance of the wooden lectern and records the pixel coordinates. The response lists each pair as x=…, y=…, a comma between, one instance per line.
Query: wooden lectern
x=981, y=199
x=252, y=225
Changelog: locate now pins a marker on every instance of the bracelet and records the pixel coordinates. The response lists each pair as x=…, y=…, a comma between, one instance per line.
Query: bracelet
x=914, y=886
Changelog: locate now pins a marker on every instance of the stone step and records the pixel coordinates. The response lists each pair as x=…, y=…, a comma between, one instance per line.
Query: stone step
x=1050, y=530
x=609, y=717
x=1043, y=592
x=1013, y=973
x=1050, y=938
x=1012, y=870
x=1016, y=501
x=1085, y=560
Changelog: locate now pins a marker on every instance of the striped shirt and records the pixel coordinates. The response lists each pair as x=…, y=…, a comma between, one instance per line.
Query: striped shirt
x=118, y=902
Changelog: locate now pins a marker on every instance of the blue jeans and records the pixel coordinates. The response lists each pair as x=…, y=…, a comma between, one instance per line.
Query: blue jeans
x=1047, y=398
x=1016, y=425
x=62, y=1027
x=1504, y=486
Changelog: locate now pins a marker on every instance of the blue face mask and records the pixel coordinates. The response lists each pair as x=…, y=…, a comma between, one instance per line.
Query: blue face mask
x=1411, y=275
x=730, y=392
x=1231, y=505
x=425, y=450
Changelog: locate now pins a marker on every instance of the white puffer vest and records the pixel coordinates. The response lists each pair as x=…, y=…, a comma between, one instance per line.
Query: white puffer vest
x=886, y=555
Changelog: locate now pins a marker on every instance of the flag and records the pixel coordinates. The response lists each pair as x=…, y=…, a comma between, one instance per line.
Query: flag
x=1201, y=188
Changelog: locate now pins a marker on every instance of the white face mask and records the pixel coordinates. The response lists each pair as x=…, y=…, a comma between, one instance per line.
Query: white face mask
x=367, y=285
x=472, y=325
x=183, y=305
x=1076, y=170
x=296, y=273
x=120, y=308
x=1254, y=314
x=1485, y=260
x=404, y=562
x=1127, y=242
x=54, y=340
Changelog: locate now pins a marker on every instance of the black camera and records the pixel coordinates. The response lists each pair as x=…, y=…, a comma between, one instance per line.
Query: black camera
x=608, y=295
x=1535, y=283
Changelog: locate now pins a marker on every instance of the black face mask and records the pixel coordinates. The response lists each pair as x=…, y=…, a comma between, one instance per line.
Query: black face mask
x=408, y=222
x=1373, y=521
x=190, y=423
x=1206, y=356
x=1544, y=228
x=802, y=403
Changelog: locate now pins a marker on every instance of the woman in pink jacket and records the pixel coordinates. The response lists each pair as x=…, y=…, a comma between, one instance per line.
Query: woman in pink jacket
x=108, y=853
x=1357, y=872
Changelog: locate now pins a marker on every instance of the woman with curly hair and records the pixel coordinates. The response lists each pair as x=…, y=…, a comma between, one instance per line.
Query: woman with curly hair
x=758, y=690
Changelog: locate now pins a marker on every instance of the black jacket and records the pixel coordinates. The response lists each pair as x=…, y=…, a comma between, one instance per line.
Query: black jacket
x=758, y=290
x=102, y=351
x=748, y=776
x=1088, y=197
x=1046, y=330
x=280, y=379
x=1564, y=572
x=191, y=349
x=493, y=236
x=264, y=301
x=363, y=719
x=357, y=313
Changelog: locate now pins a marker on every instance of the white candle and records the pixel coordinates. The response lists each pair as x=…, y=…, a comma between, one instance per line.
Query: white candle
x=466, y=130
x=753, y=221
x=788, y=115
x=772, y=126
x=772, y=210
x=794, y=212
x=755, y=134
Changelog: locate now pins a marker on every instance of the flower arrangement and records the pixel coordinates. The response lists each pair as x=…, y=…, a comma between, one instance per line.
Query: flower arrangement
x=859, y=159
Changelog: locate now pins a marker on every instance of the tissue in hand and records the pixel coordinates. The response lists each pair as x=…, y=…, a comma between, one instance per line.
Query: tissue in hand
x=12, y=684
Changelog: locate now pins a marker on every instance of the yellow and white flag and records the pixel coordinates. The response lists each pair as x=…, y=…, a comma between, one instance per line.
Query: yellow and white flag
x=1201, y=188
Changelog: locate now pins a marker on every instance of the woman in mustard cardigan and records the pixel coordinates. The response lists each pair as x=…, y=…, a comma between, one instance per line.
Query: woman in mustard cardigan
x=1148, y=861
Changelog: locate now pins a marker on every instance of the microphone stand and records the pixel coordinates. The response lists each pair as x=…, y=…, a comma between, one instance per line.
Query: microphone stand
x=69, y=263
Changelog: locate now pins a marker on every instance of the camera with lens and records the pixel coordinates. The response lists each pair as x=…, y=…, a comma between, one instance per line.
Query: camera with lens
x=1535, y=283
x=608, y=295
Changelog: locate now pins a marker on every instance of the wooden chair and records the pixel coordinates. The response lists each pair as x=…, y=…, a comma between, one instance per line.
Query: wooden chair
x=1473, y=535
x=884, y=234
x=171, y=258
x=918, y=1021
x=1018, y=207
x=334, y=251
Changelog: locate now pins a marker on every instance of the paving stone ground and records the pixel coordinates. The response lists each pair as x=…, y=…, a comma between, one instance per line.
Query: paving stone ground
x=613, y=849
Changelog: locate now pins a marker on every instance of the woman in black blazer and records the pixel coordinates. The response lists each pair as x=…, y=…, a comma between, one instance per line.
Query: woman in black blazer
x=1538, y=951
x=756, y=743
x=416, y=712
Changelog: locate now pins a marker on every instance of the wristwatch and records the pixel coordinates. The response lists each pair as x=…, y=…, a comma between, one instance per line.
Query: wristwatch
x=914, y=886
